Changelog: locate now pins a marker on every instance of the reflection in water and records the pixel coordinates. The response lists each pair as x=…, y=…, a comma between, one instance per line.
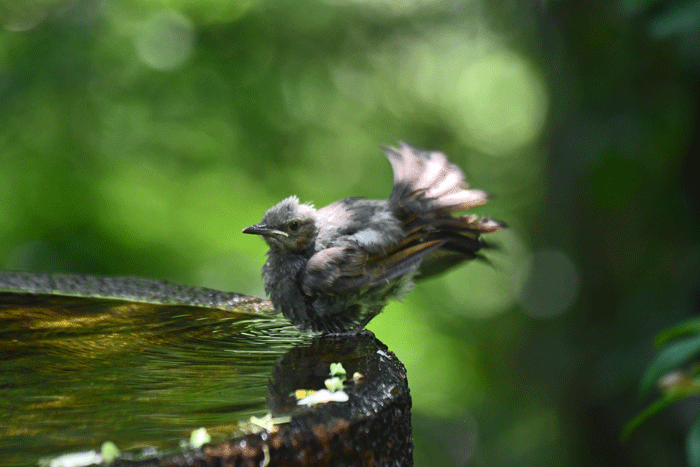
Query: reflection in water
x=372, y=426
x=311, y=362
x=78, y=371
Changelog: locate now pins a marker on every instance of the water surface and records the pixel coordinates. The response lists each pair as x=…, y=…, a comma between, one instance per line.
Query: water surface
x=77, y=371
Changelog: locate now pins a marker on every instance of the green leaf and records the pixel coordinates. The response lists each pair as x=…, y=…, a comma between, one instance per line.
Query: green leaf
x=692, y=444
x=692, y=326
x=109, y=452
x=337, y=369
x=334, y=384
x=199, y=438
x=669, y=358
x=647, y=413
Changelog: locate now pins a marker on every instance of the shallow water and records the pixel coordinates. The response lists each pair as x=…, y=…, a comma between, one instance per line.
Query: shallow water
x=78, y=371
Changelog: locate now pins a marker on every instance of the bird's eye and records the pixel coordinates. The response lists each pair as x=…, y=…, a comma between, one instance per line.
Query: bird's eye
x=293, y=226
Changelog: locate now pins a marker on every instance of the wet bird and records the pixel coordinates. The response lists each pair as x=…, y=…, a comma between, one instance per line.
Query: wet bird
x=334, y=269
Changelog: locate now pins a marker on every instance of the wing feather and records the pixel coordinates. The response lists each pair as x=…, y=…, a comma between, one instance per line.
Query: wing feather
x=342, y=270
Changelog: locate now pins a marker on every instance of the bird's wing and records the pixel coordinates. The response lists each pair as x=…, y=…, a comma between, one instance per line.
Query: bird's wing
x=364, y=243
x=347, y=268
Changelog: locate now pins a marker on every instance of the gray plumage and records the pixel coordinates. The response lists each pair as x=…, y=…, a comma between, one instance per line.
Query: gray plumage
x=335, y=268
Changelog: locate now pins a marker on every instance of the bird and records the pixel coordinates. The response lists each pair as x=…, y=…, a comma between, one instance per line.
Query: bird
x=333, y=269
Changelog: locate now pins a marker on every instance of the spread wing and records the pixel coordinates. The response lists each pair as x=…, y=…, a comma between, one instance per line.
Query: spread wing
x=347, y=268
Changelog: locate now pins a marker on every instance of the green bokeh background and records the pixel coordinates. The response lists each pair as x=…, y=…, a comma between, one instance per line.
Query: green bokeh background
x=139, y=137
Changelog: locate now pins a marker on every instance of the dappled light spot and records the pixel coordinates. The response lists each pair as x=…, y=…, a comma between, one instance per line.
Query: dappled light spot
x=494, y=98
x=166, y=40
x=547, y=284
x=504, y=102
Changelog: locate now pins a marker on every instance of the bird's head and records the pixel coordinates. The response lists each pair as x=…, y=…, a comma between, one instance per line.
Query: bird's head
x=287, y=226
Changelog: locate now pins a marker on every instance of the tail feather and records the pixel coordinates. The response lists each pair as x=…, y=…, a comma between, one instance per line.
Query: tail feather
x=428, y=184
x=424, y=177
x=446, y=182
x=468, y=223
x=427, y=189
x=461, y=200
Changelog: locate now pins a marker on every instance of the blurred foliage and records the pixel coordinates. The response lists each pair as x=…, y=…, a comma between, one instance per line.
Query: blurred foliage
x=681, y=346
x=139, y=137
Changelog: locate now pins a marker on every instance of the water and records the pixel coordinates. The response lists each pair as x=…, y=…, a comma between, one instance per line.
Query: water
x=77, y=371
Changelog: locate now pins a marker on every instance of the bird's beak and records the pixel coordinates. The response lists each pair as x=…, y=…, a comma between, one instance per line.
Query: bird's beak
x=265, y=231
